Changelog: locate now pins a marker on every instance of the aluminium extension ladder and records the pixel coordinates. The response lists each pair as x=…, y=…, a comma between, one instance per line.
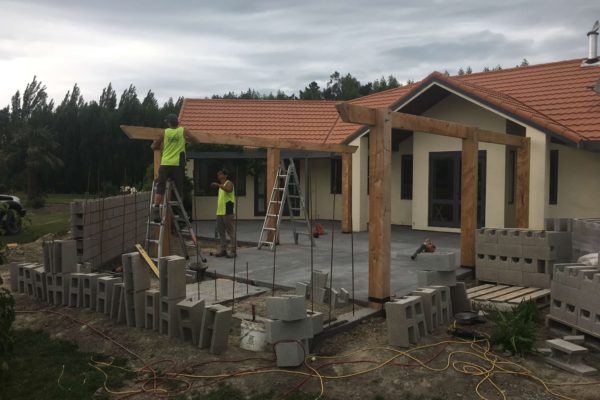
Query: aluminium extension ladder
x=172, y=206
x=286, y=190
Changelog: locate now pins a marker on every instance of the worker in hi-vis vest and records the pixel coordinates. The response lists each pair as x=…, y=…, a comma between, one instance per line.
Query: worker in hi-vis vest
x=172, y=161
x=225, y=214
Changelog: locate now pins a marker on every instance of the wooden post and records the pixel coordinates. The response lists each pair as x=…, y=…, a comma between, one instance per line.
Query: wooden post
x=380, y=202
x=468, y=200
x=522, y=190
x=273, y=161
x=346, y=193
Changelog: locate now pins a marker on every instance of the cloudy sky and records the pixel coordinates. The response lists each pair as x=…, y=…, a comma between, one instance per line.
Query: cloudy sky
x=197, y=48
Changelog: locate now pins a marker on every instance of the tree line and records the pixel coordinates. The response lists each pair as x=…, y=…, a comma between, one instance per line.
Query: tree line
x=77, y=146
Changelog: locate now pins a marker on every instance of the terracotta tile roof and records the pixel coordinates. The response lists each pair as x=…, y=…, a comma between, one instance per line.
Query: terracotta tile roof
x=554, y=97
x=309, y=121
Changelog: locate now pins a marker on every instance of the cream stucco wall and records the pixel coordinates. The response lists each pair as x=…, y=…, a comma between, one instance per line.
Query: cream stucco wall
x=456, y=109
x=538, y=181
x=578, y=184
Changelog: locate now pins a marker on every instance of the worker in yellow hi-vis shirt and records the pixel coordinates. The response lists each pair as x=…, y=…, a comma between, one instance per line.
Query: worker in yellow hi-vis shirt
x=172, y=161
x=225, y=214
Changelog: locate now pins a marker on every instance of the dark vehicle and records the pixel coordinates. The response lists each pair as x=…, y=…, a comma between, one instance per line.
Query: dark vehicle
x=11, y=214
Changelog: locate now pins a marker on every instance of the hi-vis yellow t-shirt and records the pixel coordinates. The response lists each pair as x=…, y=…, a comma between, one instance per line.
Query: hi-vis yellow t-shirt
x=173, y=146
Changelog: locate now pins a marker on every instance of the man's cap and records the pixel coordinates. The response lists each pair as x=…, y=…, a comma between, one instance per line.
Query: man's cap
x=172, y=119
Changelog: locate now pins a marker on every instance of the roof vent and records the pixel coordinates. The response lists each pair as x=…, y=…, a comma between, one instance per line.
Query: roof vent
x=592, y=35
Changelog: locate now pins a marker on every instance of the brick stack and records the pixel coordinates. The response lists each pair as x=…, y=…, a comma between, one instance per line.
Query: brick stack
x=575, y=297
x=60, y=261
x=438, y=268
x=106, y=228
x=520, y=257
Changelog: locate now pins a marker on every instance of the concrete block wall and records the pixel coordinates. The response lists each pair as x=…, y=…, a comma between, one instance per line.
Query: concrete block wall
x=521, y=257
x=586, y=236
x=105, y=228
x=575, y=296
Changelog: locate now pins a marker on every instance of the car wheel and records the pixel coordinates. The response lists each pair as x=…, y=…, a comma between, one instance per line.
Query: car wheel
x=12, y=222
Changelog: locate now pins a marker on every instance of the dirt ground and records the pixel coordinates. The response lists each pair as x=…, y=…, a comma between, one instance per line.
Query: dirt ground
x=360, y=354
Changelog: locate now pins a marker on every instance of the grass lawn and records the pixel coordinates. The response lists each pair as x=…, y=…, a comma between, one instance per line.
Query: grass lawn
x=38, y=223
x=54, y=369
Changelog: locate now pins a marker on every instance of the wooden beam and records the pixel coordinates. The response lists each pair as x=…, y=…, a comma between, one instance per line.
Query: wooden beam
x=380, y=203
x=468, y=201
x=273, y=161
x=346, y=193
x=522, y=190
x=365, y=116
x=144, y=133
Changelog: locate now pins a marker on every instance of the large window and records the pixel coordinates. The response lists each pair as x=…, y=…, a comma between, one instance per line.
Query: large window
x=406, y=176
x=553, y=195
x=205, y=172
x=336, y=176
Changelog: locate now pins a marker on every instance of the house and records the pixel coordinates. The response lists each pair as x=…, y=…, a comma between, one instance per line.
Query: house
x=554, y=104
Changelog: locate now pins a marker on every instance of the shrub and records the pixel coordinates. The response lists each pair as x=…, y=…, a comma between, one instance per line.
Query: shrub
x=36, y=202
x=7, y=317
x=515, y=329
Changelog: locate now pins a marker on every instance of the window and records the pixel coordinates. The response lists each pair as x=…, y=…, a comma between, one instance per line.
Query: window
x=336, y=176
x=406, y=176
x=553, y=195
x=511, y=178
x=205, y=172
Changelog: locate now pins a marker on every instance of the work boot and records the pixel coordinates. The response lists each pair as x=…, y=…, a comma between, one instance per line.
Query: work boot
x=155, y=213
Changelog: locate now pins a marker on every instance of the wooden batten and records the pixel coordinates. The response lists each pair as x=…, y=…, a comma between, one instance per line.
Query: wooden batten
x=468, y=201
x=522, y=189
x=380, y=203
x=346, y=193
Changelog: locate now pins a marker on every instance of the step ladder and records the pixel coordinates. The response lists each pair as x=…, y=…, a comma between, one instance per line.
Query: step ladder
x=171, y=207
x=286, y=190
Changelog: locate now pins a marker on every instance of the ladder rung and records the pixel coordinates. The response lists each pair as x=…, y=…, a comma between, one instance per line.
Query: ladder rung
x=272, y=215
x=263, y=241
x=154, y=223
x=269, y=229
x=153, y=241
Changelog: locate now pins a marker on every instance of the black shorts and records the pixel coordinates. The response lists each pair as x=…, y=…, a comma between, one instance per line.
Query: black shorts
x=174, y=173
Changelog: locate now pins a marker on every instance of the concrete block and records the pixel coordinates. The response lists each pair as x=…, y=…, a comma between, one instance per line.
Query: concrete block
x=575, y=275
x=39, y=283
x=569, y=356
x=14, y=276
x=508, y=237
x=577, y=339
x=292, y=353
x=136, y=275
x=115, y=299
x=537, y=280
x=486, y=274
x=29, y=279
x=560, y=271
x=122, y=308
x=317, y=321
x=460, y=301
x=430, y=301
x=169, y=317
x=90, y=290
x=332, y=297
x=558, y=242
x=485, y=248
x=320, y=279
x=104, y=293
x=172, y=277
x=405, y=321
x=557, y=308
x=486, y=235
x=343, y=297
x=445, y=313
x=76, y=290
x=135, y=308
x=277, y=330
x=428, y=278
x=191, y=313
x=302, y=289
x=216, y=325
x=585, y=318
x=152, y=309
x=510, y=277
x=510, y=250
x=528, y=237
x=320, y=295
x=437, y=261
x=68, y=256
x=21, y=284
x=286, y=308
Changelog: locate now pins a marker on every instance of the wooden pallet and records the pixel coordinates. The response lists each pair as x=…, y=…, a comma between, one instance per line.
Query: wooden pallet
x=560, y=327
x=504, y=296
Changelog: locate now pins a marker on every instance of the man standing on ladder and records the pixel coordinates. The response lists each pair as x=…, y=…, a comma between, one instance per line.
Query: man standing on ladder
x=225, y=214
x=172, y=162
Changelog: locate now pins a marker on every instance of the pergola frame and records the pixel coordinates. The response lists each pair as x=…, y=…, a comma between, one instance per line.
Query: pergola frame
x=381, y=122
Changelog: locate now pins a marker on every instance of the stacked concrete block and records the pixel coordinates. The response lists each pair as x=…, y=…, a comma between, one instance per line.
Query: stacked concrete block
x=105, y=228
x=291, y=353
x=302, y=289
x=39, y=283
x=438, y=268
x=286, y=308
x=317, y=319
x=216, y=324
x=104, y=293
x=136, y=281
x=575, y=296
x=172, y=291
x=152, y=309
x=586, y=236
x=60, y=256
x=520, y=257
x=445, y=313
x=431, y=304
x=90, y=290
x=405, y=321
x=76, y=289
x=29, y=279
x=115, y=300
x=569, y=357
x=191, y=313
x=13, y=267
